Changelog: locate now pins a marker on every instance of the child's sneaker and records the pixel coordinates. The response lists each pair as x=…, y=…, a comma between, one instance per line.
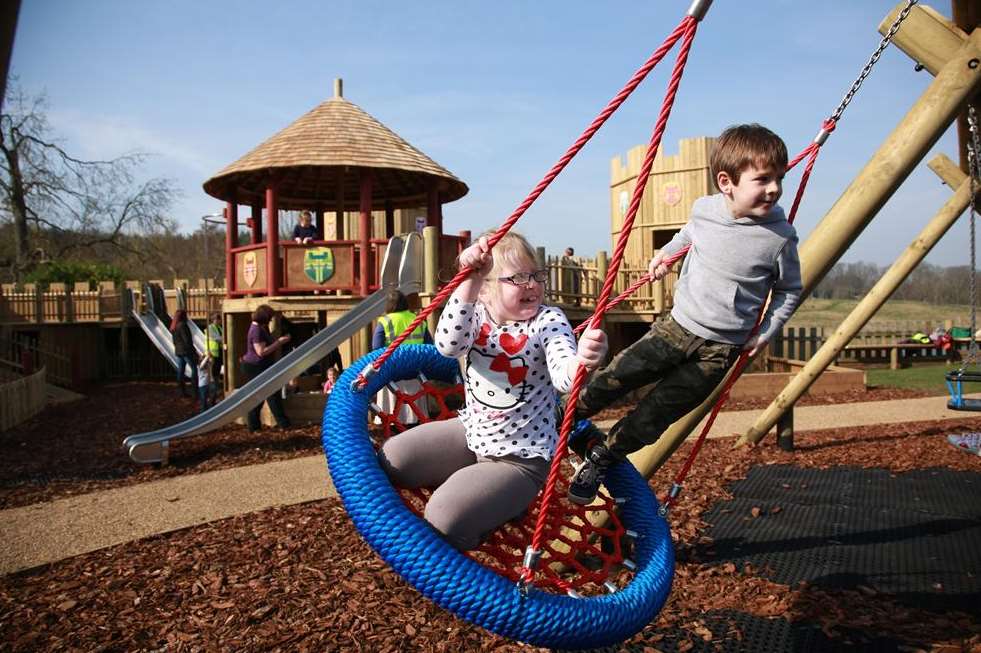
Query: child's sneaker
x=588, y=477
x=585, y=435
x=970, y=442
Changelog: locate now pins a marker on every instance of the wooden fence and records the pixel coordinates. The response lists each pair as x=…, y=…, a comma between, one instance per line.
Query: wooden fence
x=878, y=343
x=22, y=399
x=29, y=304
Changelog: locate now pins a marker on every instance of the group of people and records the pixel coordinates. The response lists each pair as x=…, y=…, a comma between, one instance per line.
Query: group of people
x=490, y=462
x=204, y=371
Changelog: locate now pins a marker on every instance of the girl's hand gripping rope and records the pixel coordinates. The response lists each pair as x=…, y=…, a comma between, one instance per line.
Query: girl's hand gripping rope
x=477, y=257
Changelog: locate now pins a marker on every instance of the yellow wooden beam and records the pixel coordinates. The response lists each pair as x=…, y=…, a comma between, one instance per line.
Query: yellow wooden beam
x=926, y=36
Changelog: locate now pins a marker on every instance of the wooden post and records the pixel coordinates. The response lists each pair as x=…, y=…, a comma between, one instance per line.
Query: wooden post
x=967, y=16
x=894, y=358
x=434, y=211
x=339, y=210
x=231, y=241
x=430, y=267
x=273, y=273
x=38, y=301
x=785, y=430
x=364, y=228
x=872, y=301
x=232, y=352
x=69, y=305
x=926, y=121
x=389, y=219
x=126, y=312
x=319, y=215
x=256, y=223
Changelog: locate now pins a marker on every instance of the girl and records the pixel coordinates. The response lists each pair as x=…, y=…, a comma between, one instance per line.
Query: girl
x=331, y=380
x=184, y=350
x=491, y=461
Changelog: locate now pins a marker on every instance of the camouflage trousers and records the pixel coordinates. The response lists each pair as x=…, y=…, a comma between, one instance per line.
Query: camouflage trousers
x=684, y=367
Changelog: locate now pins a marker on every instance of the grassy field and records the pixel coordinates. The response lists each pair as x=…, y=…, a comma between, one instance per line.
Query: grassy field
x=830, y=312
x=924, y=376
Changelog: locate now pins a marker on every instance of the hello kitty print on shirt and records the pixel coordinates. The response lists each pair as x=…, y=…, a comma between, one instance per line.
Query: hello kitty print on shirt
x=511, y=373
x=498, y=381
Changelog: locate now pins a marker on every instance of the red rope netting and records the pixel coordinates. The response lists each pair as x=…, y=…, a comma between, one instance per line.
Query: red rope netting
x=582, y=556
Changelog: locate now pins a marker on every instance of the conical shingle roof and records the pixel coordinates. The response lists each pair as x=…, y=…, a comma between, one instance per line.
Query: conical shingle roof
x=317, y=158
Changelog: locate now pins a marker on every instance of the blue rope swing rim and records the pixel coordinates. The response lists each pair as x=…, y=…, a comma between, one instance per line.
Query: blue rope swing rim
x=454, y=581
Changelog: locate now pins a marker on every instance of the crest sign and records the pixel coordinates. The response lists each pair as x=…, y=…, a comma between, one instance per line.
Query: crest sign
x=671, y=192
x=318, y=263
x=250, y=268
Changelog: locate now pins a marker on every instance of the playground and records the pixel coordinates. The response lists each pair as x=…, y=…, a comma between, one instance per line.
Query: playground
x=298, y=577
x=746, y=500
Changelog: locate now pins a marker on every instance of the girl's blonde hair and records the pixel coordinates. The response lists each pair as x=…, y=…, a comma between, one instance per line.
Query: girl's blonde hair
x=512, y=249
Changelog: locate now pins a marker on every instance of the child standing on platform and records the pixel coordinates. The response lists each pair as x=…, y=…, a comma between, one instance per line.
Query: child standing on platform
x=490, y=462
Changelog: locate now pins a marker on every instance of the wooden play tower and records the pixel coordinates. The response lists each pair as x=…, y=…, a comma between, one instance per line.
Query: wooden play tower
x=361, y=181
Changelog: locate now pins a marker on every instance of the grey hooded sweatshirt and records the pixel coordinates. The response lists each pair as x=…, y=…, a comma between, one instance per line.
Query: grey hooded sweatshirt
x=731, y=266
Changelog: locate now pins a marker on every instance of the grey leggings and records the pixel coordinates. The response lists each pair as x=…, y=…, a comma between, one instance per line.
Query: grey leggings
x=474, y=494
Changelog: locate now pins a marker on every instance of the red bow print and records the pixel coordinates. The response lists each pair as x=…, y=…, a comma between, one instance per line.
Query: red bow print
x=502, y=363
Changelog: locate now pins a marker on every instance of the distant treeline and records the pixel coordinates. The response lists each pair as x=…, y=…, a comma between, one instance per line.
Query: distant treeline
x=180, y=255
x=929, y=283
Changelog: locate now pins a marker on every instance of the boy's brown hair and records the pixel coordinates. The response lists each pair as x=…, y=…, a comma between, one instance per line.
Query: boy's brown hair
x=740, y=146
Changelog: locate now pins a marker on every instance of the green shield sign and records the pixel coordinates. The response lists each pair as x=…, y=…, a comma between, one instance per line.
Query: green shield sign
x=318, y=263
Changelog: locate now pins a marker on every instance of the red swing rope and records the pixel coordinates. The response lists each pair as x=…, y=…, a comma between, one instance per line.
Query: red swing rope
x=686, y=24
x=548, y=498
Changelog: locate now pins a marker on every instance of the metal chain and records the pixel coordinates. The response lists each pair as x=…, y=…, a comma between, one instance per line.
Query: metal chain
x=974, y=167
x=873, y=59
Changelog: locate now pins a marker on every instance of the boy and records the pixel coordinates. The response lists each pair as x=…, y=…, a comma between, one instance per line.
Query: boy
x=741, y=247
x=304, y=232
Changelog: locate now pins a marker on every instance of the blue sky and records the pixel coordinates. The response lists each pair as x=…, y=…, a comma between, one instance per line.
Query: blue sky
x=493, y=91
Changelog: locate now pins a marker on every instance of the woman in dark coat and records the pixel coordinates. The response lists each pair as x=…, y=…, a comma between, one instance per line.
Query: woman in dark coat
x=184, y=350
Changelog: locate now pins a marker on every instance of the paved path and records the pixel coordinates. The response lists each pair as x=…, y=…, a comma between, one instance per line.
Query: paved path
x=51, y=531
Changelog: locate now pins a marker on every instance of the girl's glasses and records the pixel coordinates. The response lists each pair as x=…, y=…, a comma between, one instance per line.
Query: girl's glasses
x=523, y=278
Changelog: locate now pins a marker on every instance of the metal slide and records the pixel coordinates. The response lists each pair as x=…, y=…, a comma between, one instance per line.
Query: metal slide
x=401, y=268
x=160, y=336
x=159, y=332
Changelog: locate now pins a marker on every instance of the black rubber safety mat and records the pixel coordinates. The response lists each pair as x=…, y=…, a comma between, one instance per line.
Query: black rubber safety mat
x=728, y=631
x=915, y=536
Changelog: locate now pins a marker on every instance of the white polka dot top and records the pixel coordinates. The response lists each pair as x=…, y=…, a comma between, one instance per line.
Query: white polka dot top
x=512, y=372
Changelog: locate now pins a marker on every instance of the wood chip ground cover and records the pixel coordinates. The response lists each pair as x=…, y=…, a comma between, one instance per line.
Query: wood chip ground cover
x=299, y=578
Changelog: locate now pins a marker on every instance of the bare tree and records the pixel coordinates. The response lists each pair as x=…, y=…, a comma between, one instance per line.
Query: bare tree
x=59, y=204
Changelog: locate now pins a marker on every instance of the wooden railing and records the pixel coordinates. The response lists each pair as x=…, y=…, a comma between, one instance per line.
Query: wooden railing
x=578, y=281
